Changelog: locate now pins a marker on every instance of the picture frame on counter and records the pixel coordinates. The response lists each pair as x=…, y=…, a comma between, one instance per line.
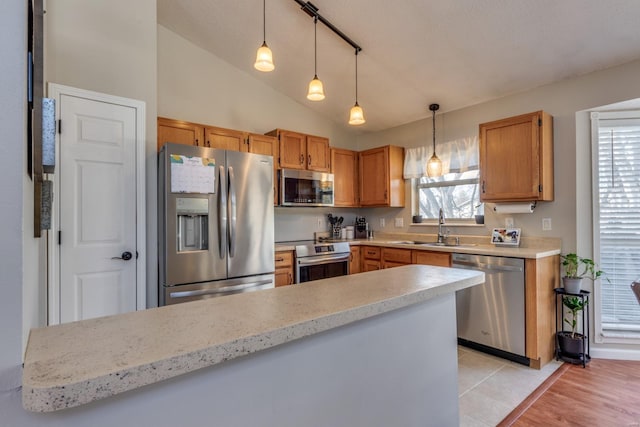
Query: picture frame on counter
x=506, y=237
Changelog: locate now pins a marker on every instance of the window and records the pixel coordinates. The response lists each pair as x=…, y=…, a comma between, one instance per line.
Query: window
x=616, y=153
x=456, y=191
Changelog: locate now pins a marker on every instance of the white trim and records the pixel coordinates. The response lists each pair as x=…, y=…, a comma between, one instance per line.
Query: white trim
x=53, y=254
x=595, y=230
x=614, y=353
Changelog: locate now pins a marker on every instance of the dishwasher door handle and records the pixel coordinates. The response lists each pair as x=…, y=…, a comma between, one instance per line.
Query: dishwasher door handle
x=485, y=267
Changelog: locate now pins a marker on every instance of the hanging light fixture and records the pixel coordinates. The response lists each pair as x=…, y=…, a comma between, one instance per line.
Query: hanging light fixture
x=356, y=115
x=264, y=57
x=316, y=91
x=434, y=165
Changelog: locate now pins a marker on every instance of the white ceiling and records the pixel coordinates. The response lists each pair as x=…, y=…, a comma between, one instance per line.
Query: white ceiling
x=415, y=52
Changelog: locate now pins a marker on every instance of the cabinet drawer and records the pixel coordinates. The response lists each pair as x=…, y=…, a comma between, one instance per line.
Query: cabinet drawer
x=284, y=259
x=371, y=252
x=441, y=259
x=396, y=255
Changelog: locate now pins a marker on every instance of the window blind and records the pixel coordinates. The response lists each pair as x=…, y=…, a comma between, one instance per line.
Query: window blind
x=618, y=181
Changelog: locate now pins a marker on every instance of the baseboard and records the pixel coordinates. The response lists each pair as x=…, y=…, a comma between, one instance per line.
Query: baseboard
x=614, y=353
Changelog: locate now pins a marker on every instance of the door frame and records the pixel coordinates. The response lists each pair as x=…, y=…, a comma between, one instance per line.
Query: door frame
x=56, y=91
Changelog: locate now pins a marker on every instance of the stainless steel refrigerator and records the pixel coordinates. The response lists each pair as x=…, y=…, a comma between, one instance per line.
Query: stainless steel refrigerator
x=215, y=219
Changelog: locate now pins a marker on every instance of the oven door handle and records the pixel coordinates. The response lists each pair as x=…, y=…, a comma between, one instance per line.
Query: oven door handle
x=326, y=259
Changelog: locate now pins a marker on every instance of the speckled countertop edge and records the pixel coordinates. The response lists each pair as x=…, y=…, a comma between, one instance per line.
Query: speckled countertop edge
x=80, y=362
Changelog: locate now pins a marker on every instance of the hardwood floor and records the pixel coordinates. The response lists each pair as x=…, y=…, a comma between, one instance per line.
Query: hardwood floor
x=605, y=393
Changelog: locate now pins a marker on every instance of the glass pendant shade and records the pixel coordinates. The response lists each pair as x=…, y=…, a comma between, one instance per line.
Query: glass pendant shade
x=356, y=115
x=316, y=91
x=434, y=166
x=264, y=59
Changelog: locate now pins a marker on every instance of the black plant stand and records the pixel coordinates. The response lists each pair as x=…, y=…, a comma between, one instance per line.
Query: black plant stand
x=582, y=355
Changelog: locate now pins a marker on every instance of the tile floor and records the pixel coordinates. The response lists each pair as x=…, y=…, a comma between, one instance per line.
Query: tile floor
x=491, y=387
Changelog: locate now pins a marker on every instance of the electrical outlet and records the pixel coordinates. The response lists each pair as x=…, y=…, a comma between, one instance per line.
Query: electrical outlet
x=546, y=224
x=382, y=222
x=319, y=223
x=508, y=222
x=399, y=222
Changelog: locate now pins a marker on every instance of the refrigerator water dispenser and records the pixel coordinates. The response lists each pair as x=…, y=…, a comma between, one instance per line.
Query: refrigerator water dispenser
x=193, y=221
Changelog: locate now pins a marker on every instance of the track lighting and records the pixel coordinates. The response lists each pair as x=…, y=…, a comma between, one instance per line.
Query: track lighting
x=264, y=57
x=434, y=165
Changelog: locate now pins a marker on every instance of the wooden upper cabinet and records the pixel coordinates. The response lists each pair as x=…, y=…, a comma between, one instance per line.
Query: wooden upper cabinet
x=263, y=144
x=317, y=153
x=516, y=159
x=344, y=167
x=179, y=132
x=300, y=151
x=225, y=139
x=292, y=148
x=381, y=181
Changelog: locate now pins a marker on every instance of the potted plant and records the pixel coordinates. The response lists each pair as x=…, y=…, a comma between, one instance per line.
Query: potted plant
x=577, y=268
x=572, y=343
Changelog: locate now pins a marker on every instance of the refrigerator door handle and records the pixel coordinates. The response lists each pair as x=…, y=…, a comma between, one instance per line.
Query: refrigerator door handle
x=222, y=214
x=232, y=213
x=223, y=290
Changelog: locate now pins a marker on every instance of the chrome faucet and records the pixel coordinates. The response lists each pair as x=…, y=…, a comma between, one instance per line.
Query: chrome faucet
x=441, y=236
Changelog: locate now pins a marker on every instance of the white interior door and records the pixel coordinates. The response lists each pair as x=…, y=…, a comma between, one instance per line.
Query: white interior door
x=97, y=208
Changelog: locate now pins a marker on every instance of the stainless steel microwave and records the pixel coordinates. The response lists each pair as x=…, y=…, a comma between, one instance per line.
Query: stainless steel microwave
x=305, y=188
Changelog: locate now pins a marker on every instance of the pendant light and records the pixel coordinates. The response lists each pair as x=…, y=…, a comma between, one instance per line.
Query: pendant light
x=434, y=165
x=316, y=91
x=264, y=58
x=356, y=115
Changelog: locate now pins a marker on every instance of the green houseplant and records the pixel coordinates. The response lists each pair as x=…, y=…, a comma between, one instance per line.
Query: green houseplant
x=572, y=343
x=577, y=268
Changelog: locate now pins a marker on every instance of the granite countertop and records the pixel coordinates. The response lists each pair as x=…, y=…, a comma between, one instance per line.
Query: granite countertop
x=533, y=248
x=80, y=362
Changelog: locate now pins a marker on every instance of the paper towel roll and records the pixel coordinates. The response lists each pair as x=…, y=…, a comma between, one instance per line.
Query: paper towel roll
x=512, y=208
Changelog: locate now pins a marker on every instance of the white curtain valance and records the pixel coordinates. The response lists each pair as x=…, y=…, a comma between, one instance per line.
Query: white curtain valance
x=457, y=156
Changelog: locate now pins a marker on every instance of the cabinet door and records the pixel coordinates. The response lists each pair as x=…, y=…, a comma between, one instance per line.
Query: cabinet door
x=283, y=276
x=374, y=177
x=267, y=145
x=441, y=259
x=225, y=139
x=511, y=164
x=293, y=152
x=371, y=265
x=317, y=153
x=344, y=166
x=354, y=260
x=179, y=132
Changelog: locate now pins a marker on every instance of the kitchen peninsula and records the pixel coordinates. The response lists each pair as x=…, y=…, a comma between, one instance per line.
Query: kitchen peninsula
x=377, y=348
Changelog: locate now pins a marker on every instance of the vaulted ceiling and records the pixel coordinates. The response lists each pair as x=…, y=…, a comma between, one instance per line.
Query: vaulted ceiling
x=414, y=52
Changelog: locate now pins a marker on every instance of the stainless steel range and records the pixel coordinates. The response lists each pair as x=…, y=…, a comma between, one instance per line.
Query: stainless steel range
x=316, y=261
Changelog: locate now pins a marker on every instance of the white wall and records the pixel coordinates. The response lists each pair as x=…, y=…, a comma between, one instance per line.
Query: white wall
x=14, y=186
x=110, y=47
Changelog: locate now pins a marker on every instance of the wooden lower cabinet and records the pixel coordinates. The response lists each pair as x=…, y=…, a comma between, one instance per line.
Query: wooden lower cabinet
x=394, y=257
x=284, y=268
x=542, y=276
x=441, y=259
x=354, y=260
x=371, y=258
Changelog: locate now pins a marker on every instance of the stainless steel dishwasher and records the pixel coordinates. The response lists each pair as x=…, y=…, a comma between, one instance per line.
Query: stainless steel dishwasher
x=491, y=316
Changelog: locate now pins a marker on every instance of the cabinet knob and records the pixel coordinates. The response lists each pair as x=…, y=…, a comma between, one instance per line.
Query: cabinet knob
x=301, y=159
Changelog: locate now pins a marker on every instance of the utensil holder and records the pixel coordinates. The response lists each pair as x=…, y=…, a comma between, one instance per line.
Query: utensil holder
x=336, y=230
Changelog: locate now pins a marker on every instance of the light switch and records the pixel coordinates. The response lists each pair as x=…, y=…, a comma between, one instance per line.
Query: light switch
x=546, y=224
x=382, y=223
x=508, y=222
x=399, y=222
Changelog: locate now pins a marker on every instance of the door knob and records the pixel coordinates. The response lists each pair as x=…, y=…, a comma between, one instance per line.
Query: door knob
x=126, y=256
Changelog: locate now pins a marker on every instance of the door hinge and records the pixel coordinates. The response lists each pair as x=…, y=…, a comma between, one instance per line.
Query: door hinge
x=539, y=122
x=59, y=126
x=540, y=188
x=59, y=237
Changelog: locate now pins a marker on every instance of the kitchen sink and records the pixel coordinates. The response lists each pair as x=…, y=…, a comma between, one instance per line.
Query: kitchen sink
x=422, y=243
